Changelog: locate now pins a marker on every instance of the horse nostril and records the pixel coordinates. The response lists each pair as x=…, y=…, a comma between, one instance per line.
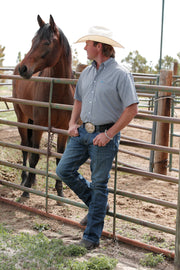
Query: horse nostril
x=22, y=70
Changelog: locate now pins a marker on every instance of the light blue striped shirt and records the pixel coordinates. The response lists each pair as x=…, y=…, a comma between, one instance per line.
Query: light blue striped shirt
x=105, y=92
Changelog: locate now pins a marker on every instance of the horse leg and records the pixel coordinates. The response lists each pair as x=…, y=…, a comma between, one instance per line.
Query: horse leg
x=28, y=139
x=33, y=160
x=61, y=144
x=23, y=134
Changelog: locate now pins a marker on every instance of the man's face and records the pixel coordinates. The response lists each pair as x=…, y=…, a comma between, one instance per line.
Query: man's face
x=92, y=51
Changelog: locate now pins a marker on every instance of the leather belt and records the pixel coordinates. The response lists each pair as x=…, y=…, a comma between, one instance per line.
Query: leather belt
x=90, y=128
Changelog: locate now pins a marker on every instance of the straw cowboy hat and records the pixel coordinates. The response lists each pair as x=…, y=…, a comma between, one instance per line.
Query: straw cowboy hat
x=100, y=34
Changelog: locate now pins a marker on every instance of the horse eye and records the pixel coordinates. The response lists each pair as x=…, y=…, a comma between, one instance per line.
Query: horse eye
x=47, y=43
x=44, y=54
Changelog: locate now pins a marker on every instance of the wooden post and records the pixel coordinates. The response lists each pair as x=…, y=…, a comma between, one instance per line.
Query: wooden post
x=162, y=130
x=175, y=68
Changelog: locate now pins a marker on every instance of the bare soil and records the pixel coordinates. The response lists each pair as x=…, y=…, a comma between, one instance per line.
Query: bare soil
x=20, y=220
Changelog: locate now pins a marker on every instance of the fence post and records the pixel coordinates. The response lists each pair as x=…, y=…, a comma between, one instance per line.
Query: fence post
x=162, y=130
x=175, y=68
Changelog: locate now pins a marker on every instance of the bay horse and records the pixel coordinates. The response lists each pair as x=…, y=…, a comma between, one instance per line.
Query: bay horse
x=49, y=56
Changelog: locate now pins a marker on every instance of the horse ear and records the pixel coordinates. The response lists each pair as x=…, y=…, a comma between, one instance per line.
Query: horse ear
x=40, y=21
x=52, y=24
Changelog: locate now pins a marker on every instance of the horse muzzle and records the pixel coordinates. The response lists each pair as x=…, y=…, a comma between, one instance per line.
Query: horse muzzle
x=24, y=72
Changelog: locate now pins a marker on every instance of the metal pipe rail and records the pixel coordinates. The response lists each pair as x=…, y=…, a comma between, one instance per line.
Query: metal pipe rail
x=40, y=79
x=161, y=88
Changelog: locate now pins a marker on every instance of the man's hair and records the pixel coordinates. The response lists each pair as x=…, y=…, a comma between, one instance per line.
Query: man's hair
x=107, y=50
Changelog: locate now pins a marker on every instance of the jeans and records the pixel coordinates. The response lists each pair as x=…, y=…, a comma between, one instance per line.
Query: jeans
x=95, y=193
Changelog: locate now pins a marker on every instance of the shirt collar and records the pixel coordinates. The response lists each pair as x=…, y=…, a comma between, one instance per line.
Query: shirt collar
x=104, y=64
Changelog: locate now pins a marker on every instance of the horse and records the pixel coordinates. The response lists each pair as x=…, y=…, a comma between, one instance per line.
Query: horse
x=49, y=56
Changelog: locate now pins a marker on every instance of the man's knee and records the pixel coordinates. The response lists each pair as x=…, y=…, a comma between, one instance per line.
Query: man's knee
x=61, y=171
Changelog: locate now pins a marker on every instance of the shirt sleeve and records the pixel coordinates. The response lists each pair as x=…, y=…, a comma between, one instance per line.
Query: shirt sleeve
x=127, y=90
x=78, y=92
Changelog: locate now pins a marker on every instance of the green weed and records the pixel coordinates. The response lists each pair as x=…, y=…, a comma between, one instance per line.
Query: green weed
x=41, y=227
x=152, y=260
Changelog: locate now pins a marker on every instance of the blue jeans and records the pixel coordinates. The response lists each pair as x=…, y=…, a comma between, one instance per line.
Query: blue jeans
x=95, y=193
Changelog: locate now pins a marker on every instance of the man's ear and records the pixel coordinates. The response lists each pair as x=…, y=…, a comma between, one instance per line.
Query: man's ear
x=99, y=46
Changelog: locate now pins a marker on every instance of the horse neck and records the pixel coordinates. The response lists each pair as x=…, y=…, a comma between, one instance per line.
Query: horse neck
x=62, y=69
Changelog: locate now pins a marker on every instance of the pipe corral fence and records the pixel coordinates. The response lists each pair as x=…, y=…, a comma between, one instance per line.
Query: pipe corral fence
x=148, y=92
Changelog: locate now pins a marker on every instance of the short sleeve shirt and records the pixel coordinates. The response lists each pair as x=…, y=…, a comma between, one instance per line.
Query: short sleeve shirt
x=105, y=92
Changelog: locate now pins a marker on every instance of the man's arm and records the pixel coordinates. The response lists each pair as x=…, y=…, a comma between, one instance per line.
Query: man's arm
x=128, y=114
x=75, y=116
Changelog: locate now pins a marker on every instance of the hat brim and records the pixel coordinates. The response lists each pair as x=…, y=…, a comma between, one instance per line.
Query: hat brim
x=101, y=39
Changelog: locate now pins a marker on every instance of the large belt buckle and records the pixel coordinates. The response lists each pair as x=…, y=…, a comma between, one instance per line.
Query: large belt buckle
x=89, y=127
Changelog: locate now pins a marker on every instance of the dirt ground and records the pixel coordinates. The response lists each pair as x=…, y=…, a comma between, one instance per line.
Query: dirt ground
x=21, y=220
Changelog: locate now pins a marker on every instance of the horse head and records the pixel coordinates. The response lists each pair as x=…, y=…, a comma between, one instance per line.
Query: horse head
x=45, y=50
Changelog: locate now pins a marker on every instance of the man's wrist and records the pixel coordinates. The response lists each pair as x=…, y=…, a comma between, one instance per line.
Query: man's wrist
x=109, y=138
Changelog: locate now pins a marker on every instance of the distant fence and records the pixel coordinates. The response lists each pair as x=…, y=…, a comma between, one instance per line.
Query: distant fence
x=141, y=88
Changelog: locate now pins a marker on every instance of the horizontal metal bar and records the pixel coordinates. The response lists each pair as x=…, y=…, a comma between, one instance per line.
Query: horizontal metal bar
x=34, y=127
x=144, y=198
x=133, y=154
x=37, y=103
x=163, y=119
x=21, y=167
x=42, y=194
x=30, y=149
x=162, y=88
x=144, y=223
x=140, y=127
x=23, y=125
x=148, y=174
x=40, y=79
x=150, y=146
x=132, y=139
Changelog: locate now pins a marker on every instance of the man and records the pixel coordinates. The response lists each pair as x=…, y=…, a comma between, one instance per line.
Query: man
x=106, y=101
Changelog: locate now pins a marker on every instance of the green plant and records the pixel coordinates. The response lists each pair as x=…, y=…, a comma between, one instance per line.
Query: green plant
x=73, y=250
x=101, y=263
x=151, y=260
x=41, y=227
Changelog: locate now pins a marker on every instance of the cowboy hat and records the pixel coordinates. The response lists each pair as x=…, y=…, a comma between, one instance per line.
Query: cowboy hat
x=100, y=34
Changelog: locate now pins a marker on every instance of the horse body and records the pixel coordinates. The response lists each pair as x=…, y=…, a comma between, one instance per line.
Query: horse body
x=49, y=56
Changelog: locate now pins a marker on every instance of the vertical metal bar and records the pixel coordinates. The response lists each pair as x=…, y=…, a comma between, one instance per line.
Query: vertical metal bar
x=49, y=140
x=161, y=44
x=153, y=137
x=115, y=188
x=177, y=242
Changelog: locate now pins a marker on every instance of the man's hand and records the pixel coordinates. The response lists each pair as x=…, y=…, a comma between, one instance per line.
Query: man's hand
x=73, y=130
x=100, y=140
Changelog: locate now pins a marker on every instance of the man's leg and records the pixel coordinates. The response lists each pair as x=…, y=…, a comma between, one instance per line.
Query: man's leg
x=74, y=156
x=101, y=163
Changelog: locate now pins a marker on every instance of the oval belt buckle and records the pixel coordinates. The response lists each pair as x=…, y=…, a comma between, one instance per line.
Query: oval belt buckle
x=89, y=127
